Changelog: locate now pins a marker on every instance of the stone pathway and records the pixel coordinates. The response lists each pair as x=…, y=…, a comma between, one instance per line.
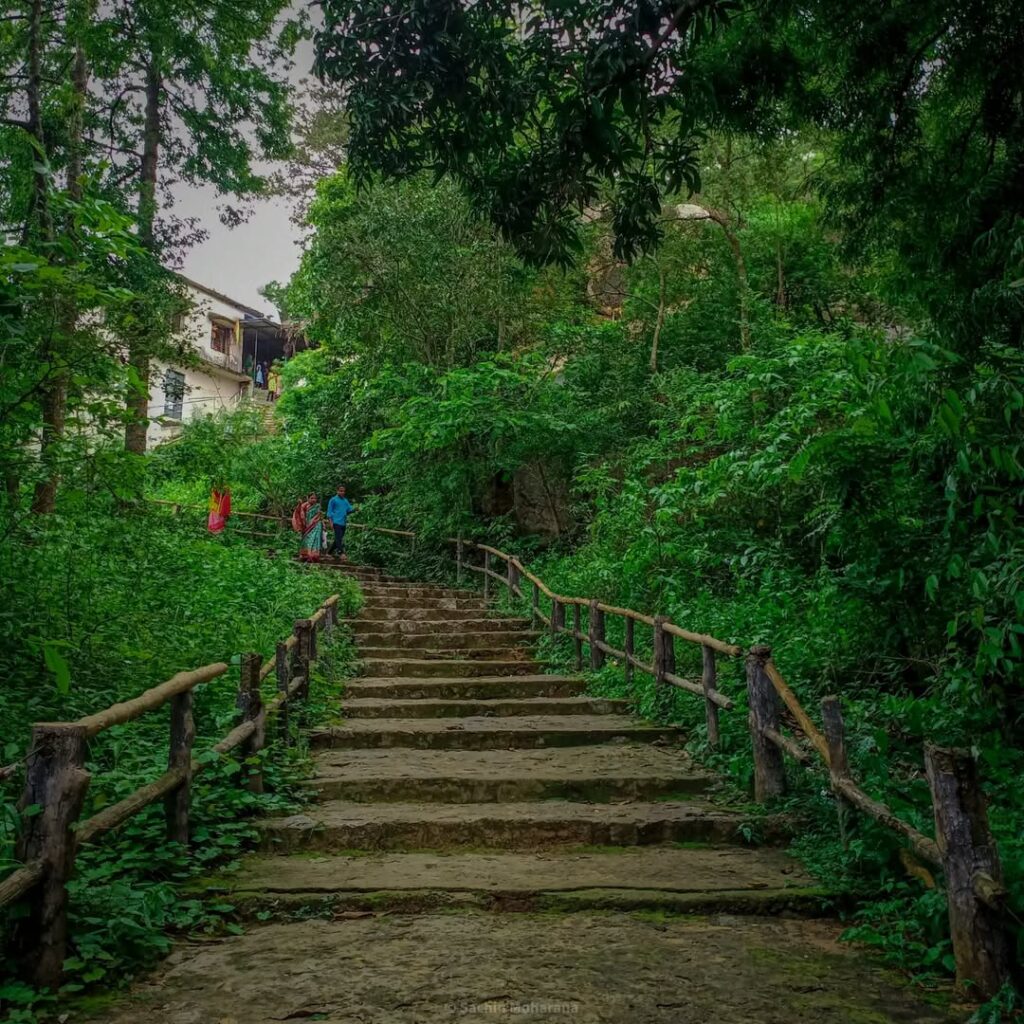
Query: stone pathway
x=465, y=782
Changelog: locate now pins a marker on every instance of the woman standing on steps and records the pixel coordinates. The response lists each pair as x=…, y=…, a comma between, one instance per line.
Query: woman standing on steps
x=308, y=519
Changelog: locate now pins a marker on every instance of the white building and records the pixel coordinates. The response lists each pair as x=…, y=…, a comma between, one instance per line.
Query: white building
x=229, y=338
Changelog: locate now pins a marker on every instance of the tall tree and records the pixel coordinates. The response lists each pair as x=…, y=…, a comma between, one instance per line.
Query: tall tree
x=195, y=93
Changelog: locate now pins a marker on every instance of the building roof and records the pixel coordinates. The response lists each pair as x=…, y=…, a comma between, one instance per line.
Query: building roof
x=206, y=290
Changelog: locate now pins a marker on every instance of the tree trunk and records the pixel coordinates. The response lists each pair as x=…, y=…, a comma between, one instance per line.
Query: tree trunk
x=54, y=392
x=137, y=403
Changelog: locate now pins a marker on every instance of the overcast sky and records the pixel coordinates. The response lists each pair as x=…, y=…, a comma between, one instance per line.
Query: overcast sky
x=239, y=261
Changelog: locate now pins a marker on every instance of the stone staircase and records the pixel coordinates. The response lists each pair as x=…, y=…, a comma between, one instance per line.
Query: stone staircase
x=491, y=844
x=525, y=790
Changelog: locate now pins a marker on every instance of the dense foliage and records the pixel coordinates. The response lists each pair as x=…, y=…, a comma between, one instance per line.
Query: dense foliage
x=712, y=309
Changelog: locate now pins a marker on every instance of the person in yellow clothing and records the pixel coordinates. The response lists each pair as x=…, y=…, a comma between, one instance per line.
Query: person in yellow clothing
x=274, y=382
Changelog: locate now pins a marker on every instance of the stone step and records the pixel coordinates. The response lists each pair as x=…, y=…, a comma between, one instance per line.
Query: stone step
x=418, y=614
x=447, y=668
x=341, y=825
x=596, y=774
x=437, y=627
x=700, y=880
x=470, y=688
x=485, y=733
x=399, y=601
x=377, y=707
x=412, y=590
x=484, y=639
x=450, y=652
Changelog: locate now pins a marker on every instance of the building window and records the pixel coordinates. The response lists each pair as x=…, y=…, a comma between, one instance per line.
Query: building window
x=220, y=337
x=178, y=322
x=174, y=393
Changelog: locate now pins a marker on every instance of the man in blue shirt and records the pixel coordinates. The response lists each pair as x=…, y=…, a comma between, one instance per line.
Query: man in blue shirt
x=338, y=509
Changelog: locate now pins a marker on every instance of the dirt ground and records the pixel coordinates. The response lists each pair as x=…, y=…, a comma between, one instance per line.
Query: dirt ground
x=490, y=968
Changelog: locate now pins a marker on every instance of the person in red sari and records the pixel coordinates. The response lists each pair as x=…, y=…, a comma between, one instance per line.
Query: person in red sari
x=220, y=509
x=308, y=519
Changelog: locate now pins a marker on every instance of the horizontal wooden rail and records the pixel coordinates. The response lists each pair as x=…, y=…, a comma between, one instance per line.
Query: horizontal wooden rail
x=150, y=700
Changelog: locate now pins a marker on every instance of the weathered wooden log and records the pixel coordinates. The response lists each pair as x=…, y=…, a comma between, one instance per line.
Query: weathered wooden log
x=693, y=686
x=178, y=801
x=704, y=640
x=664, y=651
x=115, y=815
x=157, y=696
x=982, y=944
x=626, y=613
x=709, y=683
x=535, y=615
x=282, y=677
x=302, y=653
x=769, y=767
x=20, y=882
x=835, y=738
x=250, y=706
x=557, y=618
x=55, y=782
x=629, y=648
x=788, y=745
x=487, y=574
x=810, y=730
x=577, y=638
x=838, y=764
x=595, y=634
x=513, y=578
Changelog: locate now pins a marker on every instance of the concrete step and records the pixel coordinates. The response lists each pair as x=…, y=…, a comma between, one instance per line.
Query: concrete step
x=447, y=668
x=598, y=774
x=340, y=825
x=377, y=707
x=400, y=601
x=486, y=733
x=443, y=626
x=411, y=590
x=484, y=639
x=376, y=613
x=694, y=880
x=453, y=651
x=470, y=688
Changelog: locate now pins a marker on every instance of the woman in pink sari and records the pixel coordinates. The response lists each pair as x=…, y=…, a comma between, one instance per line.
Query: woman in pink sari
x=309, y=521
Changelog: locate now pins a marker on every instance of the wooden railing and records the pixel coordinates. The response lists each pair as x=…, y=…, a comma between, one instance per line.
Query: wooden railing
x=56, y=782
x=983, y=943
x=964, y=849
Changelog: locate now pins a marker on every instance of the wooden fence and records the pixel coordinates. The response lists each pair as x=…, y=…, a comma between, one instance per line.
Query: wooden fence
x=964, y=849
x=57, y=780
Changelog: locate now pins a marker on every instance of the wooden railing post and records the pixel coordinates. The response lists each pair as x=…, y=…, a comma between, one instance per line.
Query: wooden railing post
x=769, y=768
x=664, y=650
x=535, y=615
x=513, y=577
x=302, y=654
x=577, y=639
x=183, y=734
x=838, y=764
x=458, y=561
x=250, y=704
x=595, y=634
x=487, y=576
x=709, y=683
x=557, y=617
x=56, y=782
x=629, y=648
x=970, y=861
x=283, y=678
